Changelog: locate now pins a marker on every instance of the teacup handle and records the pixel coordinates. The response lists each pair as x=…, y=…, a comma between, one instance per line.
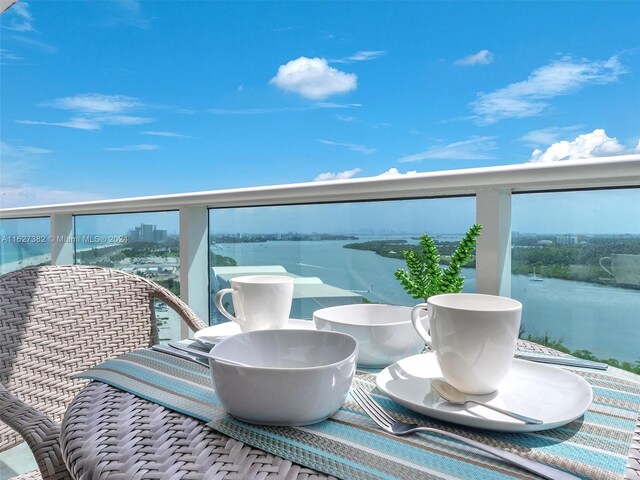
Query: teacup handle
x=417, y=324
x=218, y=302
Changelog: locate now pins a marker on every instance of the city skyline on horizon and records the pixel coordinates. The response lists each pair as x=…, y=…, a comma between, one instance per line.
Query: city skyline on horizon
x=579, y=212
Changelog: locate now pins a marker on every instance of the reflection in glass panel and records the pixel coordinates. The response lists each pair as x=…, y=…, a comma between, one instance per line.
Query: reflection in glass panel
x=24, y=242
x=576, y=269
x=145, y=244
x=338, y=253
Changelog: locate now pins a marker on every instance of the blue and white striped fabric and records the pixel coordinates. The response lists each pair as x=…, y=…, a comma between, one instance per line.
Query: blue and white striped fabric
x=350, y=446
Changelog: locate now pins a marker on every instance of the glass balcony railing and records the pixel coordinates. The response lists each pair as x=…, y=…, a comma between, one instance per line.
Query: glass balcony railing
x=145, y=244
x=338, y=253
x=564, y=238
x=576, y=269
x=23, y=243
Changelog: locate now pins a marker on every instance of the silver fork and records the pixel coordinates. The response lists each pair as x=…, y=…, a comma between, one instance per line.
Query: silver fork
x=396, y=427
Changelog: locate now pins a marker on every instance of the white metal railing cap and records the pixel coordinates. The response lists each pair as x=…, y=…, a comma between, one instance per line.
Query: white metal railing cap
x=619, y=171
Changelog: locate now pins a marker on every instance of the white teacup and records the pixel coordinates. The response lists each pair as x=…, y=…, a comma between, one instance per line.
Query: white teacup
x=473, y=335
x=261, y=302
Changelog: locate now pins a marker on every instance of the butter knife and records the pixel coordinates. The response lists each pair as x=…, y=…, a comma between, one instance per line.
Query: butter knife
x=566, y=361
x=176, y=353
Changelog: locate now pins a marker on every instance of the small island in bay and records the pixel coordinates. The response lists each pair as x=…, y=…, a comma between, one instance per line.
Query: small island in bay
x=395, y=248
x=384, y=248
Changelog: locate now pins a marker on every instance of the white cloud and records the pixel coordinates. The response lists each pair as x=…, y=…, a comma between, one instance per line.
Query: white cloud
x=15, y=164
x=128, y=13
x=79, y=123
x=476, y=148
x=483, y=57
x=165, y=134
x=34, y=150
x=122, y=120
x=546, y=136
x=20, y=18
x=34, y=43
x=337, y=105
x=530, y=97
x=93, y=111
x=393, y=172
x=313, y=78
x=133, y=148
x=10, y=152
x=24, y=195
x=19, y=152
x=95, y=103
x=350, y=146
x=338, y=175
x=587, y=145
x=18, y=163
x=637, y=149
x=8, y=56
x=92, y=123
x=361, y=56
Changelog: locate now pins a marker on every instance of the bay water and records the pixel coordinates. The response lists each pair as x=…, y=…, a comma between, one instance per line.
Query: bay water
x=583, y=316
x=602, y=319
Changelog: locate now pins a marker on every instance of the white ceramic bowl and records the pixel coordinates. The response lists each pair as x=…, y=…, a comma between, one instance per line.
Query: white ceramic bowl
x=287, y=377
x=384, y=333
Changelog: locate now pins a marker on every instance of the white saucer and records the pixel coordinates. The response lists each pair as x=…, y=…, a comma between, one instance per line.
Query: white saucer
x=211, y=335
x=553, y=395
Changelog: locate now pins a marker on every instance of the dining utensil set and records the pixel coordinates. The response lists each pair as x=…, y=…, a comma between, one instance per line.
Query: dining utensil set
x=396, y=427
x=566, y=361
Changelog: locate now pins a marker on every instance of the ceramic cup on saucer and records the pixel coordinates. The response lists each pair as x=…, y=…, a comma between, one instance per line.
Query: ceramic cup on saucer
x=260, y=302
x=473, y=335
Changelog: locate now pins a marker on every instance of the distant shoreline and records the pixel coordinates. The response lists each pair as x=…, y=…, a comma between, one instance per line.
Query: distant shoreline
x=44, y=258
x=576, y=272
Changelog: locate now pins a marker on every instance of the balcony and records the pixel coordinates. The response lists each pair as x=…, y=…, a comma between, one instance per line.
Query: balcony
x=301, y=229
x=564, y=238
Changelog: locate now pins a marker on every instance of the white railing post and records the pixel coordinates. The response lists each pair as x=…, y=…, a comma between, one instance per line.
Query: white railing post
x=493, y=254
x=194, y=261
x=62, y=245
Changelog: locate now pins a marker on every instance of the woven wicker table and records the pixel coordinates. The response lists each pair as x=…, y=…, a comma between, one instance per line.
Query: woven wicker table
x=110, y=433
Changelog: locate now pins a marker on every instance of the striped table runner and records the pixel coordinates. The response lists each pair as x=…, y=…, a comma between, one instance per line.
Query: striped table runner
x=350, y=446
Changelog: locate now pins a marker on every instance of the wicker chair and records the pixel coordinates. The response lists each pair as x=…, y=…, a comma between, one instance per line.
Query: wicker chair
x=59, y=320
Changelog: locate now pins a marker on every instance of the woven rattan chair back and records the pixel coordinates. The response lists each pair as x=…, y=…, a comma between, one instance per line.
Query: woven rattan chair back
x=59, y=320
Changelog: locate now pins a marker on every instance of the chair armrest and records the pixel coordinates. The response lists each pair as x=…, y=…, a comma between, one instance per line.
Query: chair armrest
x=41, y=433
x=179, y=306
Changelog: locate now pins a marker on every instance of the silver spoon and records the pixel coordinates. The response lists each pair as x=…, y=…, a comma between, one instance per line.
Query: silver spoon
x=452, y=395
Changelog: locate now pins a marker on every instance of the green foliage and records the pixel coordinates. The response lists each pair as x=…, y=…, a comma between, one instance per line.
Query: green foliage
x=221, y=260
x=384, y=248
x=546, y=340
x=425, y=276
x=171, y=284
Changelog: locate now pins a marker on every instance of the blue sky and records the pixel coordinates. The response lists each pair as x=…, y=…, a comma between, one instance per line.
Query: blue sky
x=124, y=98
